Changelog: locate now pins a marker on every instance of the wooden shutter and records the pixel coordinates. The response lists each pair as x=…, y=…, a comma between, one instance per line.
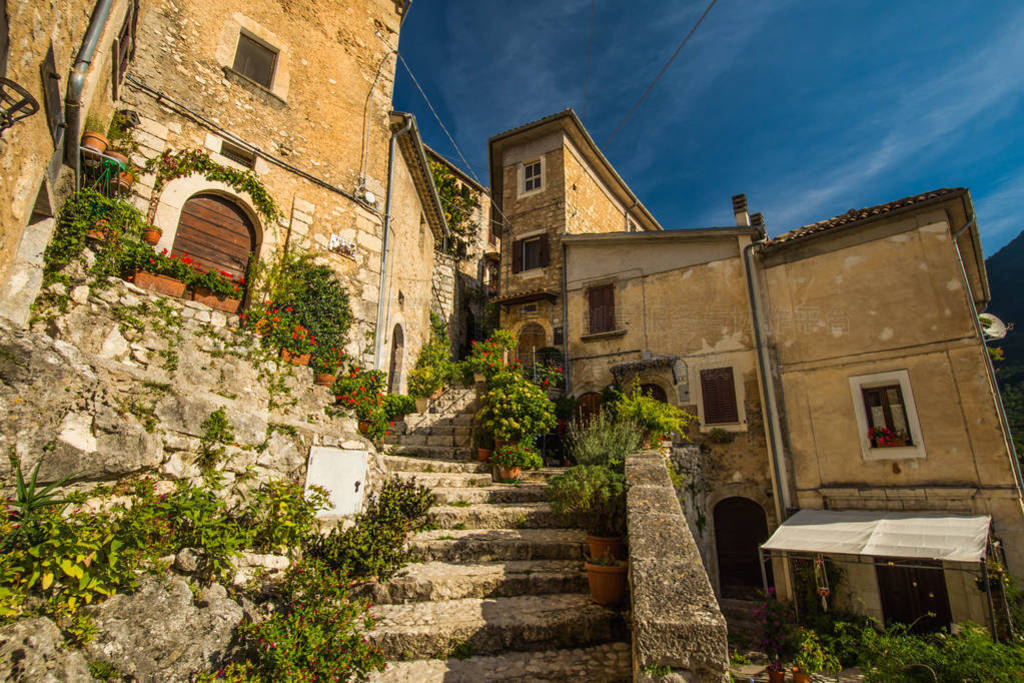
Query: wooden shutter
x=719, y=394
x=517, y=255
x=602, y=308
x=544, y=256
x=215, y=234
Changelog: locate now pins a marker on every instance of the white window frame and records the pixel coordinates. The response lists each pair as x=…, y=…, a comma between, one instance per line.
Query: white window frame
x=522, y=245
x=523, y=192
x=882, y=379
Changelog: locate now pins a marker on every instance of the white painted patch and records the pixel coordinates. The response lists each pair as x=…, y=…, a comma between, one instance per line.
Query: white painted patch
x=851, y=261
x=343, y=473
x=76, y=431
x=886, y=334
x=953, y=285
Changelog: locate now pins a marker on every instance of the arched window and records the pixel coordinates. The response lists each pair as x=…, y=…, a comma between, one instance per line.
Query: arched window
x=531, y=338
x=216, y=234
x=740, y=527
x=397, y=351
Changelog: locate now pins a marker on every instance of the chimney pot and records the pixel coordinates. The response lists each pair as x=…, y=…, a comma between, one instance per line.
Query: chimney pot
x=739, y=210
x=757, y=220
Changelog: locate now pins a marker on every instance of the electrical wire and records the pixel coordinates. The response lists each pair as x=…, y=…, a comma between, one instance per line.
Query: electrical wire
x=662, y=72
x=586, y=71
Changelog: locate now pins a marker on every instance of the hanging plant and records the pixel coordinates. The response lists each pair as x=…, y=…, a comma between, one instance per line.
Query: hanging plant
x=459, y=204
x=172, y=165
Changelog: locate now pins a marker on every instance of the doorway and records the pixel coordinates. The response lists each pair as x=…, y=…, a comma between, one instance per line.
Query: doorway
x=395, y=369
x=216, y=234
x=914, y=595
x=740, y=528
x=531, y=338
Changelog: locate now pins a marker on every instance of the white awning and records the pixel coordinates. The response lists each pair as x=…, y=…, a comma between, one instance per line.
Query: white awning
x=956, y=538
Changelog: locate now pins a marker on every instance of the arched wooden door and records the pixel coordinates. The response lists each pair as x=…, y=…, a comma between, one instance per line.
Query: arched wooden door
x=531, y=338
x=654, y=391
x=397, y=351
x=740, y=527
x=587, y=406
x=216, y=234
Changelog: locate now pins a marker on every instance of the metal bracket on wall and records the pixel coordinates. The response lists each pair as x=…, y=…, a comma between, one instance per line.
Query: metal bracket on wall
x=17, y=103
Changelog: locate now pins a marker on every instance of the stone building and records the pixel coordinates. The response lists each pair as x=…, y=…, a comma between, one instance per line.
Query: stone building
x=838, y=372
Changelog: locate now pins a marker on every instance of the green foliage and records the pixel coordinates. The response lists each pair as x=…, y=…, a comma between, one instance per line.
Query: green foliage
x=119, y=133
x=29, y=501
x=282, y=517
x=374, y=546
x=719, y=435
x=286, y=332
x=515, y=409
x=396, y=405
x=171, y=165
x=590, y=496
x=105, y=671
x=361, y=391
x=434, y=366
x=487, y=357
x=517, y=455
x=812, y=657
x=459, y=204
x=656, y=418
x=216, y=435
x=604, y=440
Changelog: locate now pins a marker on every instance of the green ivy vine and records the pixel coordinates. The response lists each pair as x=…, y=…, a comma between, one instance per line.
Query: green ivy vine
x=171, y=165
x=458, y=203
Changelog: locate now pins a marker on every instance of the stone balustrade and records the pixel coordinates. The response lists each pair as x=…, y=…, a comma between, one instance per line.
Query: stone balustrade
x=679, y=632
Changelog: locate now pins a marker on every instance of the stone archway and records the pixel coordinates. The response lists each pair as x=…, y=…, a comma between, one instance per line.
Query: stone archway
x=395, y=367
x=654, y=391
x=216, y=233
x=740, y=527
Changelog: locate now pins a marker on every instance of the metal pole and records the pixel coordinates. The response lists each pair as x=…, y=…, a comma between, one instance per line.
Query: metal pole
x=764, y=574
x=988, y=595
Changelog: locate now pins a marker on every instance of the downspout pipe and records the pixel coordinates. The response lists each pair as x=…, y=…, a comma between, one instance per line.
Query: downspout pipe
x=565, y=321
x=381, y=304
x=782, y=502
x=76, y=84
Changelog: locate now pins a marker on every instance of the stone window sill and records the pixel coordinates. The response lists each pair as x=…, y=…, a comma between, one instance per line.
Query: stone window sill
x=894, y=453
x=597, y=336
x=246, y=82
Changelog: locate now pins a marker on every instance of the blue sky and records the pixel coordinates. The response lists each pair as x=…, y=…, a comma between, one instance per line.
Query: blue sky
x=811, y=108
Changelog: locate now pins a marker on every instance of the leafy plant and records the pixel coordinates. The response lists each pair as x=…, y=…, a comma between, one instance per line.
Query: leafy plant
x=459, y=204
x=812, y=657
x=396, y=405
x=604, y=440
x=281, y=516
x=28, y=500
x=216, y=435
x=654, y=417
x=515, y=409
x=517, y=455
x=362, y=391
x=434, y=366
x=774, y=629
x=487, y=357
x=590, y=496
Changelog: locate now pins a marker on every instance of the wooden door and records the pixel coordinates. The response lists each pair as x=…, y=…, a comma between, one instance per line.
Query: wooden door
x=740, y=527
x=216, y=234
x=531, y=338
x=587, y=406
x=909, y=594
x=397, y=350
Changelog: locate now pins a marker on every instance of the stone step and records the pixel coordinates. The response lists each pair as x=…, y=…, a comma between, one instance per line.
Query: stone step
x=609, y=663
x=398, y=463
x=492, y=545
x=447, y=479
x=494, y=516
x=492, y=625
x=426, y=581
x=438, y=452
x=498, y=493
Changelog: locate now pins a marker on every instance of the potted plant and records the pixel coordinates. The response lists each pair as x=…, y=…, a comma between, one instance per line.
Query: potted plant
x=607, y=579
x=484, y=443
x=294, y=340
x=217, y=289
x=514, y=409
x=152, y=234
x=883, y=437
x=159, y=273
x=101, y=231
x=434, y=367
x=397, y=406
x=776, y=672
x=92, y=139
x=594, y=498
x=655, y=418
x=326, y=365
x=812, y=657
x=362, y=391
x=511, y=458
x=487, y=357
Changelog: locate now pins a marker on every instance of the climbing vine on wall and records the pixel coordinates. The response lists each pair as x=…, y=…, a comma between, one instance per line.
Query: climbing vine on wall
x=171, y=165
x=459, y=204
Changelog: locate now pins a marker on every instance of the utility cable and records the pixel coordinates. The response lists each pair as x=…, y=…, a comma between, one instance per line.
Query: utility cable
x=586, y=71
x=661, y=73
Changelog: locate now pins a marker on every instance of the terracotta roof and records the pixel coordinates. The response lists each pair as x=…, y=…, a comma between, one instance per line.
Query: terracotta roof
x=526, y=296
x=868, y=213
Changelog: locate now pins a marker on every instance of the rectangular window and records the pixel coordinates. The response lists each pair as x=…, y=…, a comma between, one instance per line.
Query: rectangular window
x=255, y=60
x=124, y=47
x=237, y=154
x=601, y=305
x=531, y=253
x=719, y=394
x=531, y=176
x=887, y=416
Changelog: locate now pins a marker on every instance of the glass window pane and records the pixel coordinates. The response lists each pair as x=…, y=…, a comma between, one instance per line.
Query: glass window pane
x=531, y=254
x=254, y=61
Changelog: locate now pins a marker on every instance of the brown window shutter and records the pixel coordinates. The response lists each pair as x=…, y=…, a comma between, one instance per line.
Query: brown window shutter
x=517, y=255
x=544, y=252
x=719, y=393
x=602, y=308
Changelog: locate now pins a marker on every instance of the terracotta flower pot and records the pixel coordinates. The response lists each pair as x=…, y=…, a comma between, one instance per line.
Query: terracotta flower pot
x=776, y=677
x=160, y=284
x=364, y=426
x=607, y=584
x=222, y=303
x=801, y=676
x=95, y=142
x=479, y=377
x=125, y=180
x=152, y=235
x=324, y=379
x=295, y=358
x=606, y=547
x=509, y=473
x=99, y=231
x=483, y=454
x=121, y=159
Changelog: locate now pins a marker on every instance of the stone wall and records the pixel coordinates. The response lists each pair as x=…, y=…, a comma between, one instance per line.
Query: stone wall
x=676, y=622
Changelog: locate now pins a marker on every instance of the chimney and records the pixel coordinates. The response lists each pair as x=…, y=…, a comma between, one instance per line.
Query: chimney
x=739, y=209
x=757, y=220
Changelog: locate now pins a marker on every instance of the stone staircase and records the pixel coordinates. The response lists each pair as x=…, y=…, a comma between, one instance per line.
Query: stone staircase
x=445, y=430
x=500, y=592
x=739, y=617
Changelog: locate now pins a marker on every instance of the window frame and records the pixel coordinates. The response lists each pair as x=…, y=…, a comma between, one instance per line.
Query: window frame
x=243, y=33
x=736, y=414
x=611, y=325
x=540, y=178
x=523, y=244
x=900, y=378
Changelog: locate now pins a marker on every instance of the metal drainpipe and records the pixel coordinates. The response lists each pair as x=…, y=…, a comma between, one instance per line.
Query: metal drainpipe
x=565, y=322
x=1000, y=408
x=381, y=305
x=769, y=395
x=76, y=83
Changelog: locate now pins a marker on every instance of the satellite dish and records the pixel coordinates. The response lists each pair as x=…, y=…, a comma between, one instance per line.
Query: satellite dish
x=993, y=327
x=368, y=196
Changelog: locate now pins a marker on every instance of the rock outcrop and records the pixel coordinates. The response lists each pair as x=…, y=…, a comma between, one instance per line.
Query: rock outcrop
x=34, y=650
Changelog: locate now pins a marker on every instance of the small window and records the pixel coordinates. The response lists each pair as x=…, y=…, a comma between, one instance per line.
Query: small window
x=719, y=394
x=531, y=253
x=529, y=308
x=887, y=417
x=532, y=177
x=237, y=154
x=255, y=60
x=601, y=306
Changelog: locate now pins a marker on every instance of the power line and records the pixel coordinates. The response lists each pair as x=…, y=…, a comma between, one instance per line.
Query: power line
x=586, y=72
x=660, y=73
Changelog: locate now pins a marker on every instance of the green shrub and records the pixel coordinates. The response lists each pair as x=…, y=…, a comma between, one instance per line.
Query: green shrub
x=216, y=435
x=281, y=516
x=375, y=544
x=592, y=497
x=397, y=405
x=487, y=357
x=434, y=367
x=812, y=657
x=604, y=440
x=655, y=418
x=361, y=391
x=517, y=455
x=515, y=409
